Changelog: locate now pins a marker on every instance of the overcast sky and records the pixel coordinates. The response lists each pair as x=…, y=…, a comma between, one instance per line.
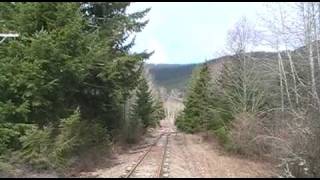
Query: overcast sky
x=189, y=32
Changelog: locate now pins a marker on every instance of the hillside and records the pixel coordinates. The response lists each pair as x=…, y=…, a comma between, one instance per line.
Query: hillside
x=176, y=76
x=171, y=76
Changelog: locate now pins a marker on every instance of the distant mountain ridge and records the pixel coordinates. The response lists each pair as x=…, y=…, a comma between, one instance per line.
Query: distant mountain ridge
x=176, y=76
x=171, y=76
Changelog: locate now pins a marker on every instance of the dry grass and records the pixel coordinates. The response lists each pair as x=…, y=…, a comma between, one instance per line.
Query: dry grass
x=199, y=158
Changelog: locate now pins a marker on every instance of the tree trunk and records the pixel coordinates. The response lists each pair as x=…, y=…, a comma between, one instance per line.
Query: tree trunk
x=281, y=83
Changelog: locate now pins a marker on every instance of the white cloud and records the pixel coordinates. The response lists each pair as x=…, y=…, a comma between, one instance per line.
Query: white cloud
x=147, y=40
x=159, y=56
x=189, y=32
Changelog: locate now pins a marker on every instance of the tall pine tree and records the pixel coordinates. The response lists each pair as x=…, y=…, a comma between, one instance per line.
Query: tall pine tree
x=144, y=106
x=196, y=104
x=159, y=112
x=68, y=57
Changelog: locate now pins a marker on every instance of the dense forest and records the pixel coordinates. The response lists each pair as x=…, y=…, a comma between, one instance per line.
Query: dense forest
x=69, y=86
x=171, y=76
x=72, y=91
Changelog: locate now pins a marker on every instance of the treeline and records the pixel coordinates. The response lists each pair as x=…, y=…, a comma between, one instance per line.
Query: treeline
x=171, y=76
x=265, y=106
x=66, y=83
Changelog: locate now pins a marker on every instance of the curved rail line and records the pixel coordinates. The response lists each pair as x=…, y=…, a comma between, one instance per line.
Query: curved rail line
x=142, y=157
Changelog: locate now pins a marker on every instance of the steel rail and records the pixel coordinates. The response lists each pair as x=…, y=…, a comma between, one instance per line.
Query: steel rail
x=143, y=156
x=159, y=171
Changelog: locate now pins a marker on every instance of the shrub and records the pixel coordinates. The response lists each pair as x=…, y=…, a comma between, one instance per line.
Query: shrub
x=222, y=135
x=247, y=135
x=36, y=146
x=76, y=137
x=43, y=151
x=10, y=134
x=183, y=124
x=133, y=131
x=7, y=138
x=6, y=169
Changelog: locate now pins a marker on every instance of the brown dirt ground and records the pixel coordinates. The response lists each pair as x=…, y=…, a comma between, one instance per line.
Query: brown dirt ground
x=190, y=156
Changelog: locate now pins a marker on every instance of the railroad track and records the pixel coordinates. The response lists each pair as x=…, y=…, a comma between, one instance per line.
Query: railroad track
x=151, y=162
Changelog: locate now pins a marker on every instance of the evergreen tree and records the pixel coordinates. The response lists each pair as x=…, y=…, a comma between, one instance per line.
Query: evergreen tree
x=134, y=125
x=69, y=57
x=159, y=112
x=42, y=68
x=206, y=109
x=144, y=106
x=144, y=111
x=61, y=61
x=114, y=71
x=197, y=102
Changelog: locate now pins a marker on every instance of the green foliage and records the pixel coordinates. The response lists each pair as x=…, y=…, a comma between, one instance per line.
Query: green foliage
x=241, y=85
x=171, y=76
x=6, y=169
x=183, y=124
x=135, y=130
x=36, y=145
x=158, y=113
x=8, y=137
x=74, y=139
x=10, y=134
x=42, y=150
x=69, y=70
x=60, y=62
x=238, y=89
x=205, y=108
x=193, y=106
x=143, y=109
x=202, y=111
x=134, y=126
x=68, y=139
x=223, y=135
